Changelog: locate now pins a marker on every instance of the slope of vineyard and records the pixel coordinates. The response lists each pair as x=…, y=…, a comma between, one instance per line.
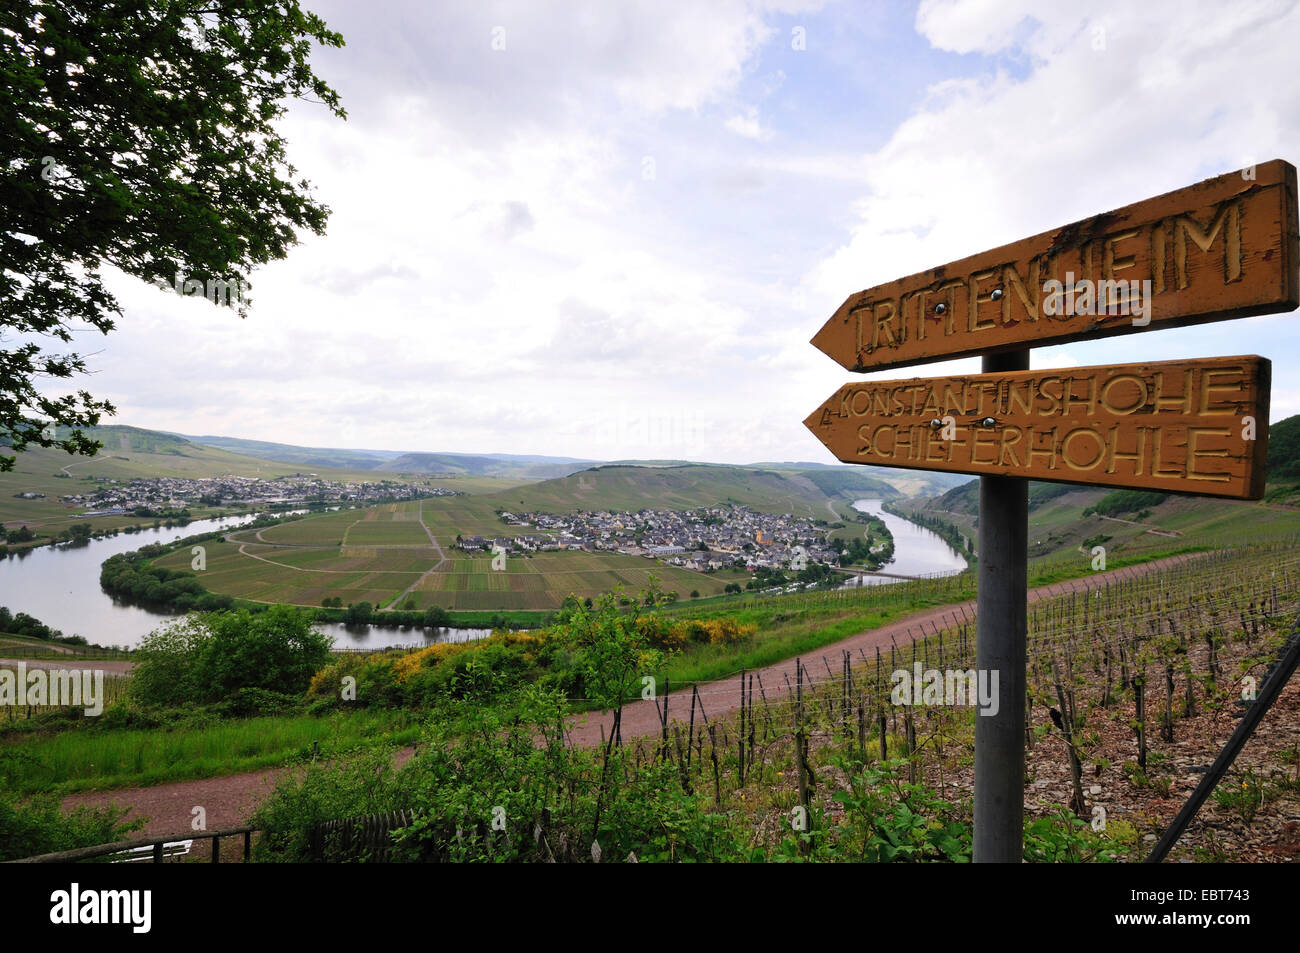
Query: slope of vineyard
x=1064, y=518
x=627, y=487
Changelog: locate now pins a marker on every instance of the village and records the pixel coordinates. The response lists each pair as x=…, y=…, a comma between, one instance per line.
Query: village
x=158, y=494
x=704, y=539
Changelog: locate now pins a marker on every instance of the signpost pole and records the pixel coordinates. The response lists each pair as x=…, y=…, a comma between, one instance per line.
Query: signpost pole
x=1000, y=647
x=1243, y=259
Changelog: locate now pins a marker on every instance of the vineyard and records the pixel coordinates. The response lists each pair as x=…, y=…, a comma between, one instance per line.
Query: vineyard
x=115, y=690
x=1133, y=687
x=385, y=556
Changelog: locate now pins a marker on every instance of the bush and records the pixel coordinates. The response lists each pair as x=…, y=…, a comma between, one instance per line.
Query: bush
x=256, y=701
x=1127, y=501
x=504, y=763
x=436, y=617
x=163, y=674
x=213, y=657
x=39, y=827
x=360, y=785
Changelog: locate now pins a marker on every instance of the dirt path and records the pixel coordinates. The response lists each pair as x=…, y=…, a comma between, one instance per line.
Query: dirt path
x=641, y=718
x=1154, y=531
x=229, y=801
x=442, y=560
x=419, y=574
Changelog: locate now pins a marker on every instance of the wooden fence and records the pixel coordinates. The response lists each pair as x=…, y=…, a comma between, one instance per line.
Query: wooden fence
x=370, y=840
x=357, y=839
x=158, y=848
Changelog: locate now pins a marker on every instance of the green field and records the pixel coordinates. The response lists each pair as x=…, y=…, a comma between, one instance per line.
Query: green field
x=375, y=555
x=385, y=533
x=80, y=760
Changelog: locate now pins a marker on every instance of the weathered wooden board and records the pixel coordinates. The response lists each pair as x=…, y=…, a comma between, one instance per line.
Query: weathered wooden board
x=1176, y=426
x=1224, y=248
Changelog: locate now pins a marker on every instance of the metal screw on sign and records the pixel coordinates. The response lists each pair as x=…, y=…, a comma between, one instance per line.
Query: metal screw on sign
x=988, y=423
x=996, y=294
x=940, y=308
x=936, y=423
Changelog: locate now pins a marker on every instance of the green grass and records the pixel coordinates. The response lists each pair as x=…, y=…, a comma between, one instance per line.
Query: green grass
x=794, y=634
x=104, y=759
x=386, y=533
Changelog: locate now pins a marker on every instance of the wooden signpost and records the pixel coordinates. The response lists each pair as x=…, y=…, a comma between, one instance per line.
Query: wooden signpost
x=1224, y=248
x=1227, y=247
x=1178, y=426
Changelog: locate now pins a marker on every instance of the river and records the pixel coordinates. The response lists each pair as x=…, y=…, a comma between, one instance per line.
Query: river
x=917, y=550
x=60, y=586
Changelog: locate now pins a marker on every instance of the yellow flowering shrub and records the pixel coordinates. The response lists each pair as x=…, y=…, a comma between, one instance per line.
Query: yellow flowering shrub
x=662, y=633
x=407, y=665
x=326, y=681
x=723, y=631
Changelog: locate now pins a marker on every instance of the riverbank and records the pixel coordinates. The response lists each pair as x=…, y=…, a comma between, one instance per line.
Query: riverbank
x=919, y=549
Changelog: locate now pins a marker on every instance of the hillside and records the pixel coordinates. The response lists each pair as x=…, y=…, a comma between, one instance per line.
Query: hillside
x=289, y=453
x=907, y=482
x=1284, y=450
x=630, y=487
x=503, y=465
x=135, y=453
x=1065, y=518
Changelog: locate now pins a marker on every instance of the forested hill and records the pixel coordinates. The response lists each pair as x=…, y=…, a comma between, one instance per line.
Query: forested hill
x=1284, y=450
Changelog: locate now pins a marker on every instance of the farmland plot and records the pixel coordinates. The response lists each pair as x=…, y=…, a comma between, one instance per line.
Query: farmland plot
x=378, y=554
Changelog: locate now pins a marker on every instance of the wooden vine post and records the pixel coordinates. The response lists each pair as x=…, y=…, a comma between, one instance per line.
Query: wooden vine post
x=1223, y=248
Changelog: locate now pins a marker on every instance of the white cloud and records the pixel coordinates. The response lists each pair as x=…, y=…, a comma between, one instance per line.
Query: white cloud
x=977, y=26
x=498, y=273
x=990, y=159
x=746, y=124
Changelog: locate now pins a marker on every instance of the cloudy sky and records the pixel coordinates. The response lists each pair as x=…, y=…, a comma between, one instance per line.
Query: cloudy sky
x=608, y=229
